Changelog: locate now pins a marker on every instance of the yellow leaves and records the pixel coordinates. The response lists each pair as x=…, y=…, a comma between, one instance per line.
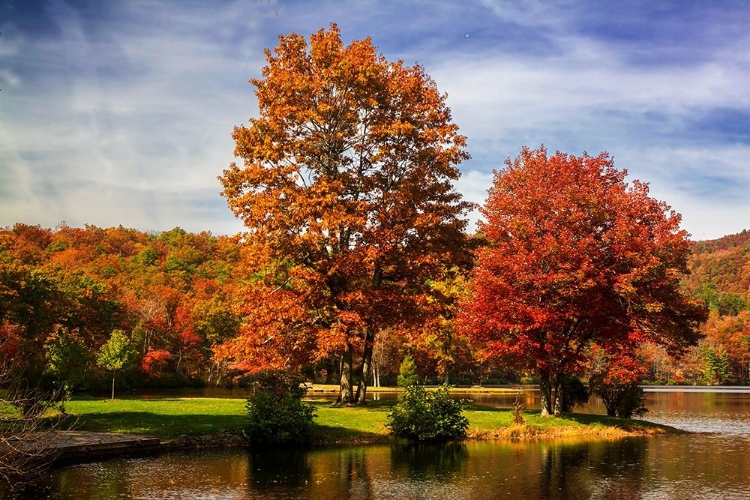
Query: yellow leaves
x=654, y=307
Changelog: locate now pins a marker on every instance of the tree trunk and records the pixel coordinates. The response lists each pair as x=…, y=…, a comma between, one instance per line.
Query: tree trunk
x=551, y=388
x=559, y=400
x=548, y=399
x=113, y=388
x=346, y=390
x=366, y=367
x=447, y=360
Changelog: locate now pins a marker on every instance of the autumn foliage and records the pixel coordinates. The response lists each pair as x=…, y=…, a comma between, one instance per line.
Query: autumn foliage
x=345, y=188
x=719, y=276
x=576, y=257
x=171, y=293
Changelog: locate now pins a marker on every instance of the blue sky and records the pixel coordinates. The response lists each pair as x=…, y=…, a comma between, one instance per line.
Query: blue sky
x=120, y=112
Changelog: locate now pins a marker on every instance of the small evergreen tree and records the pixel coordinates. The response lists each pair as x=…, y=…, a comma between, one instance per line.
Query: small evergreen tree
x=407, y=372
x=715, y=365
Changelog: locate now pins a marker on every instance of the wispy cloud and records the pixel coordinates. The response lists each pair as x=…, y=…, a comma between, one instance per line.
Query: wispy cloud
x=121, y=113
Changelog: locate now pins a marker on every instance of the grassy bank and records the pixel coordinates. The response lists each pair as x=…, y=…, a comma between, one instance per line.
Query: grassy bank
x=173, y=417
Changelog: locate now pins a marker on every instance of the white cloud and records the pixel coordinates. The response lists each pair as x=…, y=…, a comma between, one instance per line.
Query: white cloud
x=473, y=185
x=125, y=119
x=140, y=145
x=707, y=185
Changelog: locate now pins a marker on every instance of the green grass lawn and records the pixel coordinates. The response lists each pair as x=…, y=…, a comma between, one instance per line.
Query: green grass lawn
x=172, y=417
x=164, y=418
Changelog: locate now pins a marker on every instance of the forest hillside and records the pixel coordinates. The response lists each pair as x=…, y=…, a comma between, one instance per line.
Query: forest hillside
x=720, y=275
x=178, y=295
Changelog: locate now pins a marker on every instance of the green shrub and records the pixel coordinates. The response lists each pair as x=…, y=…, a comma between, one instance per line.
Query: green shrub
x=428, y=416
x=624, y=400
x=574, y=393
x=276, y=411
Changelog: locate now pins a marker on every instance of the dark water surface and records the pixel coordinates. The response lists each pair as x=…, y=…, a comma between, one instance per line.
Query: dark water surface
x=713, y=464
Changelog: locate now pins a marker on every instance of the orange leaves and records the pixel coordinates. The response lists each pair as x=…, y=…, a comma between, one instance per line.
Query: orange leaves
x=274, y=334
x=155, y=360
x=346, y=175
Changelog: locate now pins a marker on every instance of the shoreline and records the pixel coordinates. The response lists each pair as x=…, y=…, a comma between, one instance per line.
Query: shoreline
x=93, y=447
x=110, y=428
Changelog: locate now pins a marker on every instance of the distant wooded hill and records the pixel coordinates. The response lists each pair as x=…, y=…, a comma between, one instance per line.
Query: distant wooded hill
x=720, y=273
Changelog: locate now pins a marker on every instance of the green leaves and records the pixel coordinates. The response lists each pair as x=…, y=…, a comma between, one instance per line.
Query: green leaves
x=67, y=357
x=276, y=411
x=407, y=372
x=117, y=354
x=428, y=416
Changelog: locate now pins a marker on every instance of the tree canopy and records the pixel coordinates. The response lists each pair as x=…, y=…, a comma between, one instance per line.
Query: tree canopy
x=576, y=257
x=346, y=190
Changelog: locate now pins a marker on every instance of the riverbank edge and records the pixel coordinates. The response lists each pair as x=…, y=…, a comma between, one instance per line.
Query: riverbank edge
x=515, y=433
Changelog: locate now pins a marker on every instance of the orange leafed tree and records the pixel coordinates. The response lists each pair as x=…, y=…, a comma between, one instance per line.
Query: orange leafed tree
x=346, y=180
x=576, y=257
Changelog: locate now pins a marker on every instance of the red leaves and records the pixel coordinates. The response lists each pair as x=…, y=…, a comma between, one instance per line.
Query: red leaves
x=576, y=256
x=155, y=360
x=10, y=339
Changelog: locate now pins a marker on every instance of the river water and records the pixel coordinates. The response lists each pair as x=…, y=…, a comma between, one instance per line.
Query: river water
x=712, y=463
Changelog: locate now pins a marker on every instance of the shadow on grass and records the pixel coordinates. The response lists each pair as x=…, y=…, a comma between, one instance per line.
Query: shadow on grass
x=160, y=425
x=384, y=405
x=478, y=407
x=328, y=434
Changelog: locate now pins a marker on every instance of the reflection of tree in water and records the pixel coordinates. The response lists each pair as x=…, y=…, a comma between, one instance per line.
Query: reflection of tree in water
x=600, y=469
x=325, y=474
x=354, y=478
x=428, y=460
x=283, y=471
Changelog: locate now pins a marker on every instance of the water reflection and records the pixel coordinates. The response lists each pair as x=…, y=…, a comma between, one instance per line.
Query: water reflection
x=272, y=471
x=428, y=460
x=686, y=466
x=661, y=467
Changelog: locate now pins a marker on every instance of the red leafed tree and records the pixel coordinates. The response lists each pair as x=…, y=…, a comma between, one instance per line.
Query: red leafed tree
x=155, y=360
x=575, y=256
x=347, y=180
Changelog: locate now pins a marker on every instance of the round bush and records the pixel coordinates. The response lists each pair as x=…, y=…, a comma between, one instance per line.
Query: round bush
x=276, y=411
x=428, y=416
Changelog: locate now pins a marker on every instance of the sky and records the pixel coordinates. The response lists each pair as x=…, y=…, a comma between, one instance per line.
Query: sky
x=120, y=112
